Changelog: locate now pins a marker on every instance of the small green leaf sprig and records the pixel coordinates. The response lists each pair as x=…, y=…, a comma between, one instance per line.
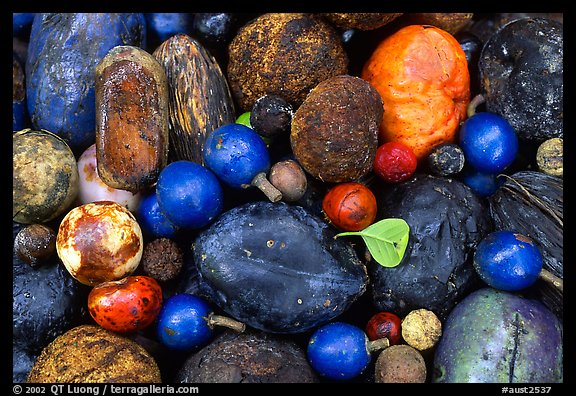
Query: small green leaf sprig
x=386, y=240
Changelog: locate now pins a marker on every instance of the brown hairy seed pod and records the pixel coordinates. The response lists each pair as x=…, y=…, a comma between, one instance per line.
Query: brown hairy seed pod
x=286, y=54
x=131, y=118
x=91, y=354
x=334, y=133
x=360, y=20
x=200, y=99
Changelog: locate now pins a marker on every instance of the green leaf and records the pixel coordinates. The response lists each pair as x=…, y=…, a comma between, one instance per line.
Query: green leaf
x=386, y=240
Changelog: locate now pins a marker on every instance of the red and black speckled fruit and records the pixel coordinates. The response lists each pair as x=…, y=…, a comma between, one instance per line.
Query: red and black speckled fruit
x=127, y=305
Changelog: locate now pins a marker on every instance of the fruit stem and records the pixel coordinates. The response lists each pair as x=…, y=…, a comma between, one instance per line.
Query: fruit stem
x=474, y=103
x=224, y=321
x=266, y=187
x=378, y=345
x=552, y=279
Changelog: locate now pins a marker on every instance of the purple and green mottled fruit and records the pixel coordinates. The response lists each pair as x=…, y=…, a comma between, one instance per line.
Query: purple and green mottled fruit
x=496, y=336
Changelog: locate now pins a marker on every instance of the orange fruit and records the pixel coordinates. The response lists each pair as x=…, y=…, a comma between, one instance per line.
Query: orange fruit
x=422, y=75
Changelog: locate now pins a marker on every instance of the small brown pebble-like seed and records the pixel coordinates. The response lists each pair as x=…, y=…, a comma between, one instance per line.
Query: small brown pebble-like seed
x=162, y=259
x=35, y=243
x=400, y=364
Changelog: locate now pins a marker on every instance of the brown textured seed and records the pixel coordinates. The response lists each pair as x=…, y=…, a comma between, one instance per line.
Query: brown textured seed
x=421, y=329
x=99, y=241
x=400, y=364
x=131, y=118
x=286, y=54
x=35, y=243
x=91, y=354
x=200, y=99
x=334, y=133
x=44, y=176
x=289, y=178
x=360, y=20
x=452, y=22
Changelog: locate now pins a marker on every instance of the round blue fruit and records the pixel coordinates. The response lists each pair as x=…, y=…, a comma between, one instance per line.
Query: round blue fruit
x=338, y=351
x=508, y=260
x=236, y=154
x=189, y=194
x=182, y=323
x=489, y=142
x=152, y=220
x=482, y=184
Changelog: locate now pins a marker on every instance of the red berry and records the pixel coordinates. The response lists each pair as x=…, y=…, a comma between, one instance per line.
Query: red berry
x=384, y=324
x=395, y=162
x=350, y=206
x=126, y=305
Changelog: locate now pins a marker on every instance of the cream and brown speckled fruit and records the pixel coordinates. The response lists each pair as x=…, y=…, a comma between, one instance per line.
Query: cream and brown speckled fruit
x=45, y=176
x=91, y=354
x=550, y=157
x=99, y=241
x=421, y=329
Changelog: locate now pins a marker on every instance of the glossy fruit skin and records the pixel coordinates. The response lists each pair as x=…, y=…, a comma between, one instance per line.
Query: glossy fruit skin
x=127, y=305
x=153, y=221
x=482, y=184
x=422, y=74
x=508, y=261
x=338, y=351
x=189, y=194
x=182, y=323
x=236, y=153
x=395, y=162
x=384, y=324
x=489, y=142
x=350, y=206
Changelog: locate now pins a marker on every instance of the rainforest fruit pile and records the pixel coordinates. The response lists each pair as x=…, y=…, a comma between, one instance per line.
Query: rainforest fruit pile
x=288, y=197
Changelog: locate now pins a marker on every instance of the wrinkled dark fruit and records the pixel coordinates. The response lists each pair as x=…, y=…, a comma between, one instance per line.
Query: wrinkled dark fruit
x=521, y=73
x=446, y=222
x=250, y=357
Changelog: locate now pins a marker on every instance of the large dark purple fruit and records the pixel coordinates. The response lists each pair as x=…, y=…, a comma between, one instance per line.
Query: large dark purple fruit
x=496, y=336
x=277, y=267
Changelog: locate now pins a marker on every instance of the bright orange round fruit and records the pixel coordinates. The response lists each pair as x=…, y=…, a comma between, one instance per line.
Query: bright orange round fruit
x=350, y=206
x=422, y=75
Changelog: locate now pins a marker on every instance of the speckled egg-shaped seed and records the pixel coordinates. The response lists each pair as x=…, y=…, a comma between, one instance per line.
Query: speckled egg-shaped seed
x=550, y=157
x=421, y=329
x=286, y=54
x=99, y=242
x=45, y=176
x=35, y=243
x=400, y=364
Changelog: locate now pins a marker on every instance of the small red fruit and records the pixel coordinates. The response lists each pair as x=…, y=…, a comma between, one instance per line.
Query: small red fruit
x=126, y=305
x=395, y=162
x=350, y=206
x=384, y=324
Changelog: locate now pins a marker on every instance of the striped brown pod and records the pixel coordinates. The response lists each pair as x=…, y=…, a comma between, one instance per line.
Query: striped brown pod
x=131, y=118
x=200, y=99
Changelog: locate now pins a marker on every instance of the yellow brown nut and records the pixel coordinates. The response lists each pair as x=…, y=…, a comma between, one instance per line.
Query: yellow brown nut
x=45, y=179
x=91, y=354
x=550, y=157
x=421, y=329
x=285, y=54
x=131, y=118
x=99, y=242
